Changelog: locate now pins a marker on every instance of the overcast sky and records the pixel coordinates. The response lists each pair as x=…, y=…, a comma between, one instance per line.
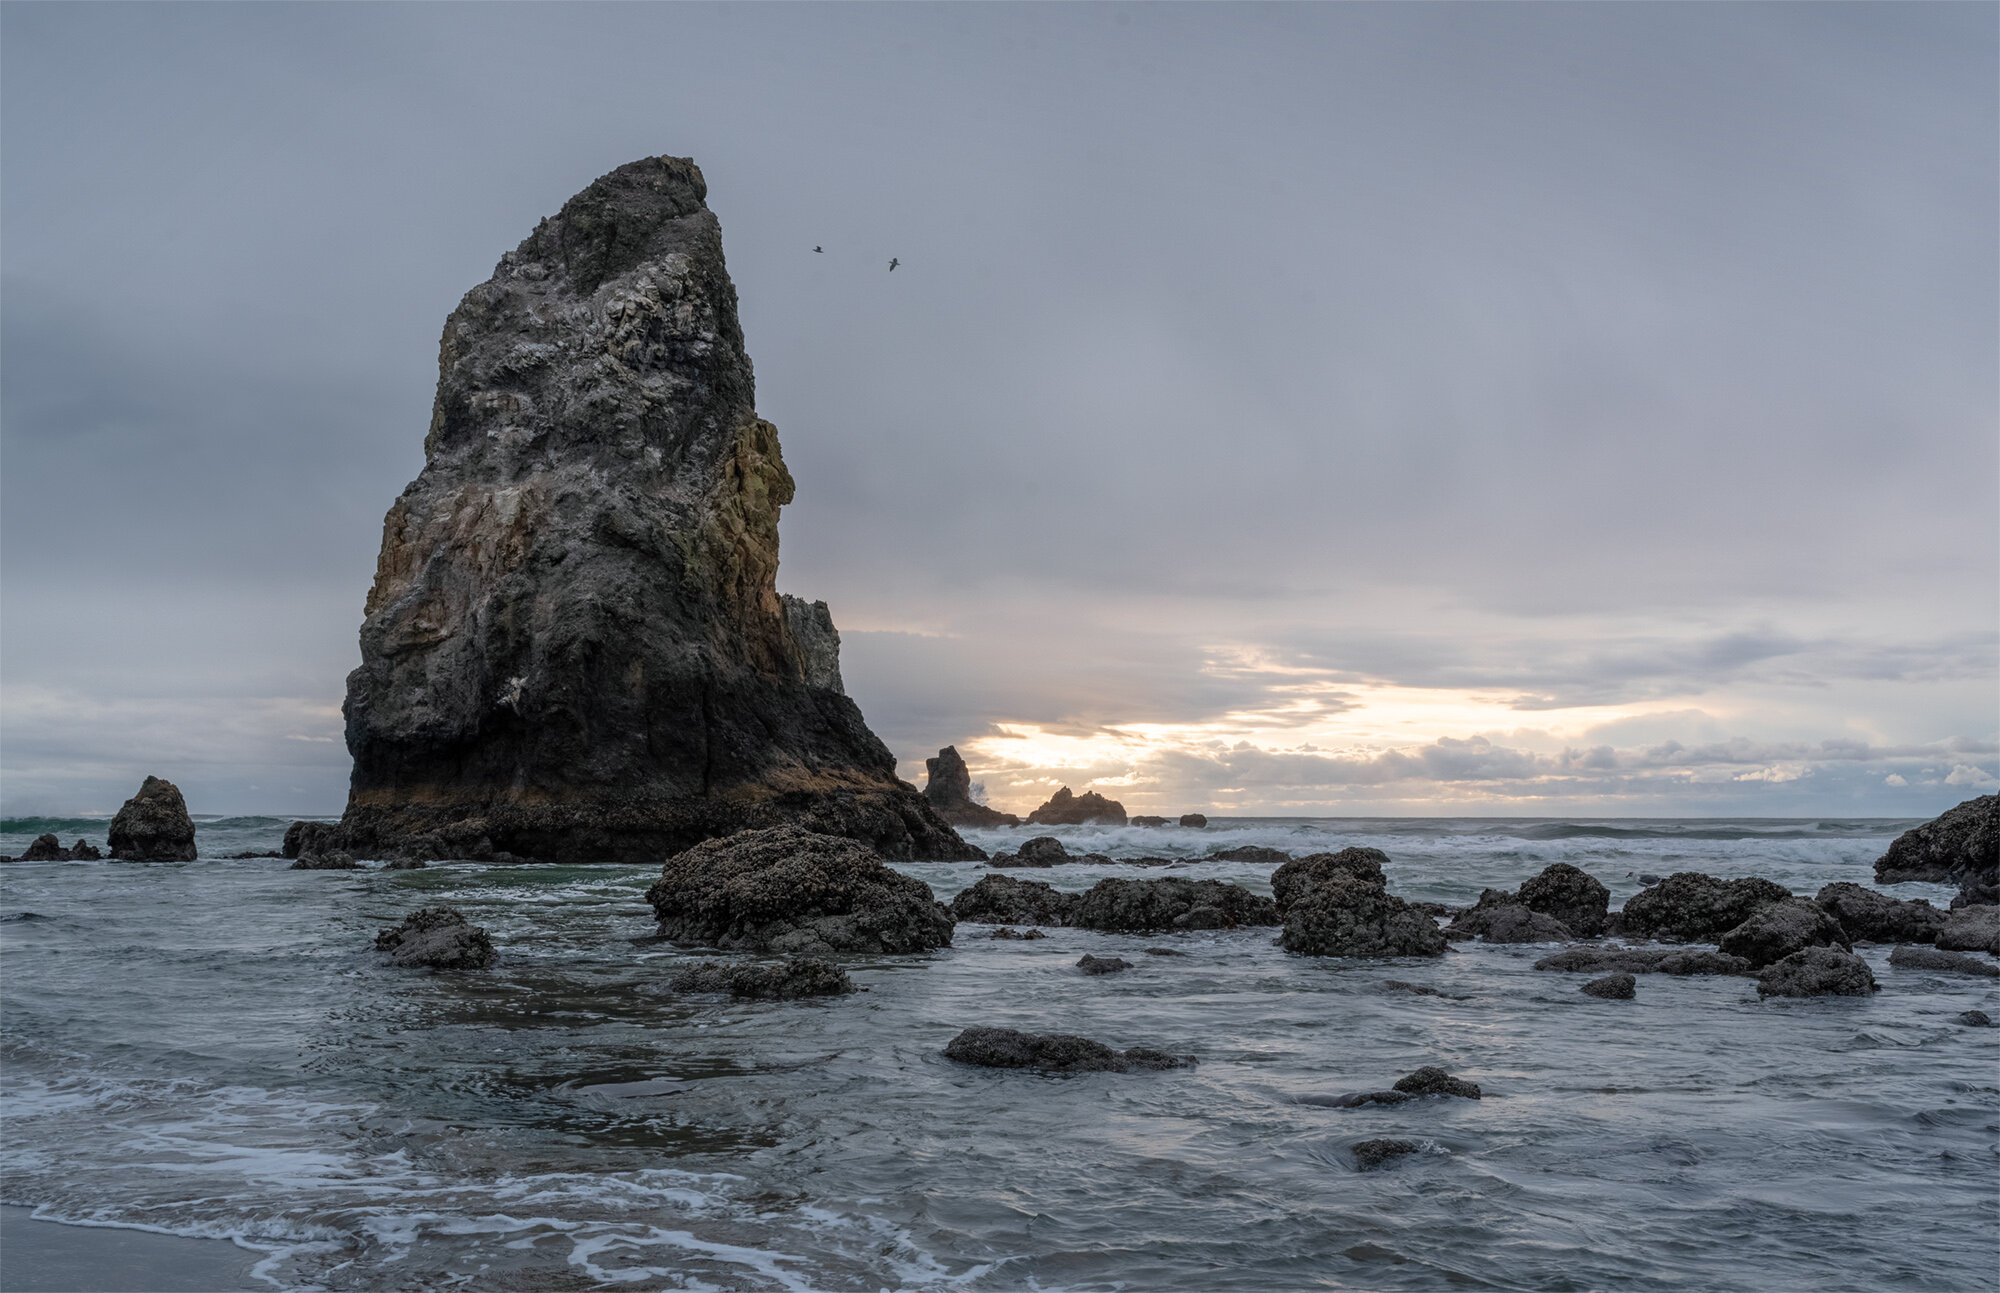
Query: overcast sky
x=1314, y=409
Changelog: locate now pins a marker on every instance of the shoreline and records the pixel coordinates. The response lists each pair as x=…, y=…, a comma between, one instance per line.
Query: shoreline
x=41, y=1256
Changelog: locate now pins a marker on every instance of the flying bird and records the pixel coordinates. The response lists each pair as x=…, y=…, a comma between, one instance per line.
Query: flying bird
x=893, y=262
x=819, y=249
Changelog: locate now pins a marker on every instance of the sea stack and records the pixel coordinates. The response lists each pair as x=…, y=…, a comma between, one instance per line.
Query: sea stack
x=948, y=786
x=574, y=647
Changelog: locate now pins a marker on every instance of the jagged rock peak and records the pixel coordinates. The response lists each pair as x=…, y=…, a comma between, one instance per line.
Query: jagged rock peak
x=574, y=647
x=948, y=787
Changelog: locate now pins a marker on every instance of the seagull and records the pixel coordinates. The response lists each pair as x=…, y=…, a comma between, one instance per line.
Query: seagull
x=819, y=249
x=893, y=262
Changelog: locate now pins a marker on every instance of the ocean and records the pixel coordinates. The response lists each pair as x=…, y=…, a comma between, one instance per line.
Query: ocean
x=213, y=1049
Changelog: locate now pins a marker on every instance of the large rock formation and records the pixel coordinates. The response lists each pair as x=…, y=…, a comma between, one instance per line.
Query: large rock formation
x=574, y=646
x=1066, y=809
x=153, y=826
x=948, y=786
x=1961, y=846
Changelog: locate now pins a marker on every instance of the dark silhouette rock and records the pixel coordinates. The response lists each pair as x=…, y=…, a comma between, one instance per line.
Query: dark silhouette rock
x=789, y=890
x=1776, y=930
x=153, y=826
x=1975, y=1019
x=1906, y=957
x=1636, y=960
x=1971, y=929
x=333, y=861
x=1102, y=964
x=1345, y=915
x=84, y=852
x=1004, y=1048
x=1817, y=972
x=1007, y=931
x=1148, y=821
x=1370, y=1154
x=1193, y=819
x=798, y=976
x=1426, y=1081
x=1256, y=853
x=1003, y=900
x=1690, y=907
x=1612, y=987
x=438, y=938
x=1499, y=917
x=948, y=787
x=574, y=648
x=1961, y=846
x=1042, y=851
x=1570, y=895
x=1170, y=903
x=45, y=848
x=1296, y=876
x=1866, y=916
x=1066, y=809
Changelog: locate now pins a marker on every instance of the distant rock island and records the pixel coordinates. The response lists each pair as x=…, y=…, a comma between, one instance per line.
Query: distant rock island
x=574, y=647
x=949, y=789
x=1066, y=809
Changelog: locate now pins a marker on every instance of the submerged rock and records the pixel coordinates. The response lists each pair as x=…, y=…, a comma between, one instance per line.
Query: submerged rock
x=1004, y=1048
x=1906, y=957
x=334, y=861
x=1866, y=916
x=1635, y=960
x=1102, y=964
x=1066, y=809
x=1971, y=929
x=1170, y=903
x=1694, y=908
x=1612, y=987
x=1193, y=819
x=153, y=826
x=1373, y=1153
x=798, y=976
x=1256, y=853
x=1776, y=930
x=1003, y=900
x=1975, y=1019
x=1426, y=1081
x=1291, y=880
x=1345, y=915
x=1417, y=989
x=790, y=890
x=1569, y=895
x=1960, y=846
x=1042, y=851
x=1817, y=972
x=948, y=787
x=574, y=648
x=439, y=938
x=1007, y=931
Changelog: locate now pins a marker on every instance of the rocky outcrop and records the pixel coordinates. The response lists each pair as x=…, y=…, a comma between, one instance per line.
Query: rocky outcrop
x=1131, y=905
x=1637, y=960
x=1066, y=809
x=1003, y=900
x=1193, y=819
x=1499, y=917
x=1371, y=1154
x=1907, y=957
x=1253, y=853
x=1345, y=915
x=438, y=938
x=1975, y=1019
x=332, y=860
x=1776, y=930
x=1570, y=895
x=153, y=826
x=1817, y=972
x=47, y=848
x=1972, y=929
x=1690, y=907
x=1147, y=821
x=789, y=890
x=1007, y=932
x=1291, y=880
x=1004, y=1048
x=1866, y=916
x=1960, y=847
x=1102, y=964
x=1426, y=1081
x=1042, y=851
x=574, y=648
x=1620, y=986
x=948, y=787
x=799, y=976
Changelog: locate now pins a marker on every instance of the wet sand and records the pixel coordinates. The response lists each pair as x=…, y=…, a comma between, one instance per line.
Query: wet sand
x=48, y=1257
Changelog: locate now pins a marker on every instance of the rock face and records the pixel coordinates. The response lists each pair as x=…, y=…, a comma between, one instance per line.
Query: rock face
x=153, y=826
x=1962, y=846
x=1776, y=930
x=1003, y=900
x=949, y=790
x=800, y=976
x=1170, y=904
x=1869, y=917
x=1972, y=929
x=574, y=648
x=1345, y=915
x=439, y=938
x=1066, y=809
x=1291, y=880
x=1570, y=895
x=1004, y=1048
x=1817, y=972
x=789, y=890
x=1695, y=908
